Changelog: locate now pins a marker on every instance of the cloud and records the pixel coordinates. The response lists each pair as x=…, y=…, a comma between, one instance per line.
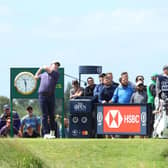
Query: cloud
x=122, y=20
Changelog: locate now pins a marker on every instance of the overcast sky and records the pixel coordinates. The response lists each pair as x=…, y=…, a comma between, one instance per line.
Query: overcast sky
x=120, y=35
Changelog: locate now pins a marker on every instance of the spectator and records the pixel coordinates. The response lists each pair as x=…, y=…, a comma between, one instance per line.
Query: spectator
x=140, y=96
x=30, y=132
x=6, y=114
x=123, y=93
x=161, y=88
x=5, y=131
x=110, y=75
x=108, y=90
x=141, y=78
x=162, y=84
x=125, y=75
x=151, y=90
x=90, y=88
x=99, y=87
x=30, y=120
x=76, y=90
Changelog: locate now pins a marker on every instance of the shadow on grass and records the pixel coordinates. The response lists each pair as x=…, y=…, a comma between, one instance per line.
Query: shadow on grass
x=164, y=154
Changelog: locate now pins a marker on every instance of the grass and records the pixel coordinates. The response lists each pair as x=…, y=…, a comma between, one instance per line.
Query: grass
x=84, y=153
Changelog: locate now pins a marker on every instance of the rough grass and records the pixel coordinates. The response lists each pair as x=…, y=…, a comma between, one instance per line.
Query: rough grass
x=84, y=153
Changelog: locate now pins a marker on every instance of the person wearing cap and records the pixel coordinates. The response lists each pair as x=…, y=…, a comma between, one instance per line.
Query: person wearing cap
x=140, y=96
x=30, y=120
x=151, y=89
x=30, y=132
x=48, y=81
x=162, y=84
x=161, y=89
x=6, y=114
x=141, y=78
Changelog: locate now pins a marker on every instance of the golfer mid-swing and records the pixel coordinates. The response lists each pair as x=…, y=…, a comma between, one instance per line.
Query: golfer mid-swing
x=48, y=81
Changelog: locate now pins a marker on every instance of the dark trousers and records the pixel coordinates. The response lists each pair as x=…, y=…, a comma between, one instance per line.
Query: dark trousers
x=47, y=106
x=151, y=119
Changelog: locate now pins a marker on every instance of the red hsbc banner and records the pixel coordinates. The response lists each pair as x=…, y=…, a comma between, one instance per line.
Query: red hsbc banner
x=122, y=119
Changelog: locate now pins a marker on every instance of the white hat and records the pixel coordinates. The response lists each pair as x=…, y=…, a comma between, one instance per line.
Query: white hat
x=139, y=83
x=56, y=62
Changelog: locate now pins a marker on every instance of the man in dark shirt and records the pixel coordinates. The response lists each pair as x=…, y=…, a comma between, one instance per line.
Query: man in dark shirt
x=110, y=76
x=90, y=88
x=48, y=81
x=107, y=92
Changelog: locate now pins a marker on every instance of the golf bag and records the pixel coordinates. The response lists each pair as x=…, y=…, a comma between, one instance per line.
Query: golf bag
x=161, y=119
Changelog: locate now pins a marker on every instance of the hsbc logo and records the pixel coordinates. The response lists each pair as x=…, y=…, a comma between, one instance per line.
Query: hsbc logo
x=113, y=118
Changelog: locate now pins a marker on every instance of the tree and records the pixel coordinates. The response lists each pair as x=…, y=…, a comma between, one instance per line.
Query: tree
x=3, y=100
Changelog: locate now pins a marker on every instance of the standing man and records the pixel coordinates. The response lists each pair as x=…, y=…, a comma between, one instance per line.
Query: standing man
x=162, y=84
x=151, y=92
x=48, y=81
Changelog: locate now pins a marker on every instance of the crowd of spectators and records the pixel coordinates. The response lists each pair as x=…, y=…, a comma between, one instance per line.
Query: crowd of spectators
x=124, y=92
x=29, y=126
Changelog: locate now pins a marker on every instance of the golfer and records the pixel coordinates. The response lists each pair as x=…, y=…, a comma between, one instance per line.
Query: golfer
x=48, y=81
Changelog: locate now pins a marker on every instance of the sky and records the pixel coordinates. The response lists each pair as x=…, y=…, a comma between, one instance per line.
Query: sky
x=120, y=35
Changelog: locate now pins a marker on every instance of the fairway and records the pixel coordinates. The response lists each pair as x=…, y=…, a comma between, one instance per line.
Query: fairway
x=85, y=153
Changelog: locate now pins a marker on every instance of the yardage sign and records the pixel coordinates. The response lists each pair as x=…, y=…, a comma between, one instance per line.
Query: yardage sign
x=122, y=119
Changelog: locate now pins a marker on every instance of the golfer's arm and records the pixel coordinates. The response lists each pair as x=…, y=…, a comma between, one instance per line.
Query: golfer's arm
x=38, y=72
x=45, y=68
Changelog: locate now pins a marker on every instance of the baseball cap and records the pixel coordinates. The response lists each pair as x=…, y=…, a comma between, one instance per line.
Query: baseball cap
x=139, y=83
x=154, y=75
x=6, y=106
x=56, y=62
